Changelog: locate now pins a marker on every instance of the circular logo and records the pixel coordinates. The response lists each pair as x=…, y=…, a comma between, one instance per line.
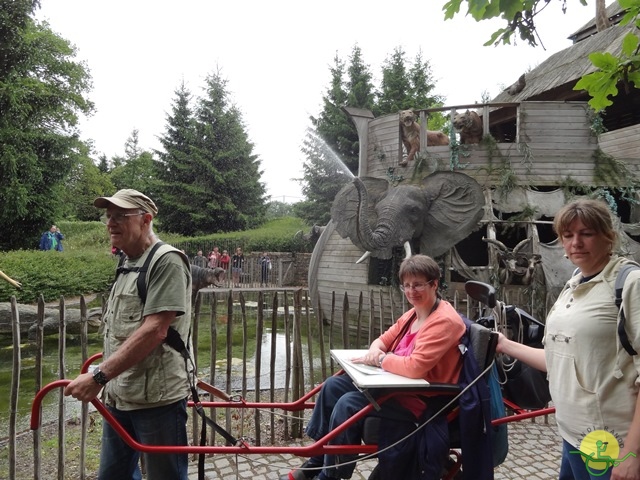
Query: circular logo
x=599, y=449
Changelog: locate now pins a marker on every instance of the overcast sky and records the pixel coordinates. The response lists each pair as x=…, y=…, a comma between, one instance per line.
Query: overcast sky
x=276, y=57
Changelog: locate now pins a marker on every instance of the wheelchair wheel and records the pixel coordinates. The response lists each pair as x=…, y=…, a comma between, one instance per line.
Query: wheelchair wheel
x=376, y=473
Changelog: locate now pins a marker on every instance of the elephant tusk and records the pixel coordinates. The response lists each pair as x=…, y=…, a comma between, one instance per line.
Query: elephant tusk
x=366, y=255
x=407, y=250
x=10, y=280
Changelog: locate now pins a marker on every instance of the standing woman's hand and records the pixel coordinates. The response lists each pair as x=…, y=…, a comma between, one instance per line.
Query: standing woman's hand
x=629, y=469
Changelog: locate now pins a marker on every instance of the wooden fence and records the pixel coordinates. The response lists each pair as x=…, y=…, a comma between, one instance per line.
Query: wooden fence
x=241, y=321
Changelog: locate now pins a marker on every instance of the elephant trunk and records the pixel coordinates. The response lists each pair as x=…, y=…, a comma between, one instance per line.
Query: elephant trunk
x=370, y=239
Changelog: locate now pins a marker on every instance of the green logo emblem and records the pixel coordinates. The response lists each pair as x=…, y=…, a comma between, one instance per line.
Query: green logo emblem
x=599, y=450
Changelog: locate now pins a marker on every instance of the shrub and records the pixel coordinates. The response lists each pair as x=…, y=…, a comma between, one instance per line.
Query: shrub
x=54, y=274
x=86, y=265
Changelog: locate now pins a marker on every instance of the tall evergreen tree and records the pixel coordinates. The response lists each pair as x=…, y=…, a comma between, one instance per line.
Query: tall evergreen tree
x=237, y=196
x=174, y=169
x=334, y=140
x=325, y=177
x=333, y=125
x=421, y=84
x=209, y=177
x=103, y=163
x=81, y=187
x=395, y=89
x=421, y=91
x=136, y=169
x=40, y=100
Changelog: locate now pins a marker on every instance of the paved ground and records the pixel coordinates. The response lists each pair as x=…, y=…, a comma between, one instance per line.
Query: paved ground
x=534, y=454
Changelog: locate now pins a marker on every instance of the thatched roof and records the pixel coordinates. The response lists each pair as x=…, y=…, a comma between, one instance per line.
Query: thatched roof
x=555, y=77
x=614, y=14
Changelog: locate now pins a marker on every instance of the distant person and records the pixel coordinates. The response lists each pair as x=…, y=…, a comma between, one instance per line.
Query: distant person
x=52, y=239
x=200, y=260
x=237, y=264
x=214, y=258
x=265, y=267
x=225, y=260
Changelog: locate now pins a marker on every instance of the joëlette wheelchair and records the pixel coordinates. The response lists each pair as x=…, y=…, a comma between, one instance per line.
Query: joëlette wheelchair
x=484, y=344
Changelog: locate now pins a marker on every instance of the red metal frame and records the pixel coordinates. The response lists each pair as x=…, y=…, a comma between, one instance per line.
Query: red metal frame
x=320, y=447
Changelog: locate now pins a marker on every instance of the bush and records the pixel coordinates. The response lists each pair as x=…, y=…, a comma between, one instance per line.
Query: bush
x=54, y=274
x=86, y=265
x=278, y=235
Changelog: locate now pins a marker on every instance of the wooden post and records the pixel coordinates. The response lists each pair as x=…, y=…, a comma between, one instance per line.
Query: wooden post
x=319, y=318
x=38, y=384
x=84, y=408
x=359, y=321
x=372, y=316
x=213, y=349
x=345, y=321
x=15, y=385
x=298, y=366
x=333, y=311
x=256, y=375
x=62, y=367
x=287, y=351
x=310, y=339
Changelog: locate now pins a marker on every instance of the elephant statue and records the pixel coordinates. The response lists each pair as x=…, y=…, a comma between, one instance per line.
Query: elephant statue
x=437, y=213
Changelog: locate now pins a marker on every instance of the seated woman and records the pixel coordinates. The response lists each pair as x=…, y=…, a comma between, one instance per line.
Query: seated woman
x=423, y=343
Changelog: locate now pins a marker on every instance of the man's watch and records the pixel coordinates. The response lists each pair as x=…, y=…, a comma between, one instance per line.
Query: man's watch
x=99, y=377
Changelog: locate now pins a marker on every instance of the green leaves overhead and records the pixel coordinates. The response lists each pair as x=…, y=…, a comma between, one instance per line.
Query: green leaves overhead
x=520, y=15
x=603, y=83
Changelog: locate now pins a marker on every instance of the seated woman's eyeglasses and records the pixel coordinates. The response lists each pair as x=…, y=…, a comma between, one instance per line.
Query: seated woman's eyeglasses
x=418, y=287
x=118, y=217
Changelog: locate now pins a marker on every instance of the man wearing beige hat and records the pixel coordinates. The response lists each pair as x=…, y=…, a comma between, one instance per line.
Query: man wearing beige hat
x=145, y=380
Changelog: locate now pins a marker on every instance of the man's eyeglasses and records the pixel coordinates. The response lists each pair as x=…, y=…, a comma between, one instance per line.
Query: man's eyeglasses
x=417, y=287
x=118, y=217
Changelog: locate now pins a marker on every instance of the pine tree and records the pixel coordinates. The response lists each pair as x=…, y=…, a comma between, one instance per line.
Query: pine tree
x=334, y=140
x=174, y=167
x=136, y=169
x=326, y=175
x=421, y=90
x=395, y=89
x=103, y=163
x=237, y=197
x=209, y=177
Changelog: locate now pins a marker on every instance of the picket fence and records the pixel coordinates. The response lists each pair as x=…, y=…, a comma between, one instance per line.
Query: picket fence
x=258, y=317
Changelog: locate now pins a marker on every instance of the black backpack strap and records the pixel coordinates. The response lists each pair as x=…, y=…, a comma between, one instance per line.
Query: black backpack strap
x=174, y=340
x=620, y=279
x=142, y=272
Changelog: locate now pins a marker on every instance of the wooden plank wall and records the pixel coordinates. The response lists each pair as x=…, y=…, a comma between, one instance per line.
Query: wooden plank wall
x=548, y=126
x=555, y=142
x=623, y=144
x=385, y=147
x=337, y=272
